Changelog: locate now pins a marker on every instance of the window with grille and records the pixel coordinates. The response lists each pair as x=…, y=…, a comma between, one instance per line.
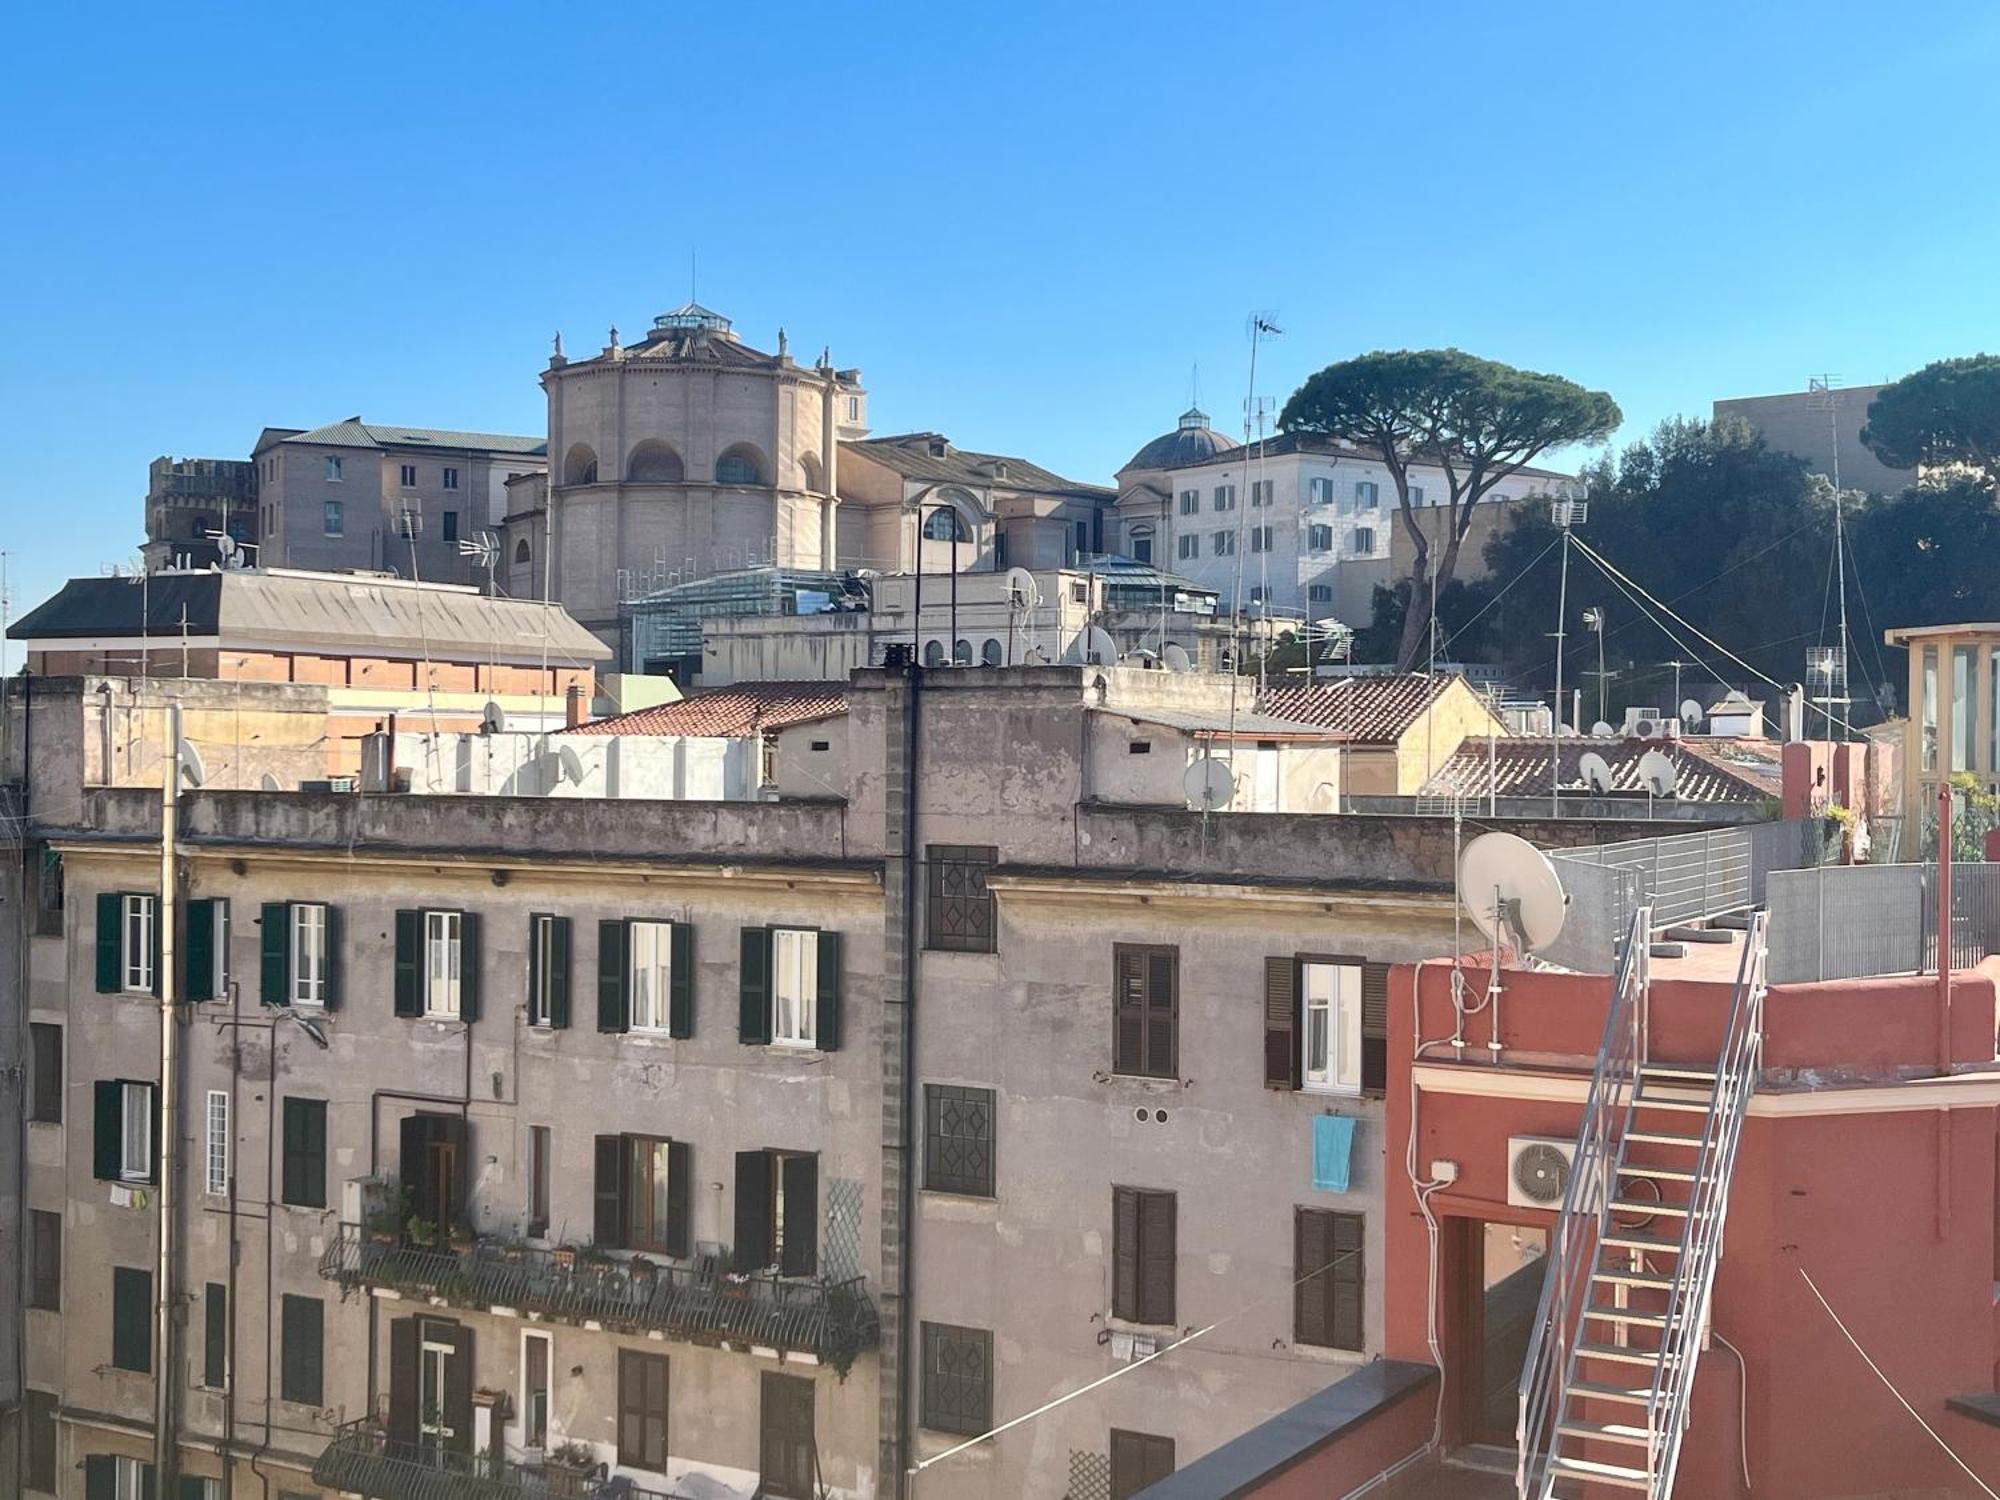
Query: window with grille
x=960, y=910
x=957, y=1379
x=1327, y=1301
x=1143, y=1255
x=958, y=1140
x=1145, y=1010
x=216, y=1143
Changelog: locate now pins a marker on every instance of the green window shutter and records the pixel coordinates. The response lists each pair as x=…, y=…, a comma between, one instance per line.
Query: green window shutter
x=301, y=1364
x=131, y=1319
x=275, y=945
x=614, y=1006
x=153, y=1167
x=468, y=965
x=826, y=1025
x=305, y=1153
x=200, y=949
x=110, y=943
x=335, y=929
x=800, y=1252
x=215, y=1336
x=608, y=1164
x=409, y=993
x=192, y=1488
x=753, y=998
x=1283, y=1063
x=558, y=997
x=680, y=981
x=680, y=1192
x=108, y=1130
x=753, y=1211
x=100, y=1477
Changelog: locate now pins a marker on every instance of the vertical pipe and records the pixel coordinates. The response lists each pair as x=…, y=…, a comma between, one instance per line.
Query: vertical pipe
x=1944, y=1005
x=166, y=1360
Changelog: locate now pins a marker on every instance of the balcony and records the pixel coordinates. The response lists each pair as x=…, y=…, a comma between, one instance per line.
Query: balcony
x=362, y=1461
x=702, y=1304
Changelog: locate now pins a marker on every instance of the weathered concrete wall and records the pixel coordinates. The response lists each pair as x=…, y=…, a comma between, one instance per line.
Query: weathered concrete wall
x=632, y=766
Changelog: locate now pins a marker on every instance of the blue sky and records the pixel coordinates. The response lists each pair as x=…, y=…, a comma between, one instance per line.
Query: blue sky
x=1025, y=223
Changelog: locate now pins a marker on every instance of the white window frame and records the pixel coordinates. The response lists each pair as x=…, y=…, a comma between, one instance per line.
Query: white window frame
x=306, y=954
x=1224, y=497
x=444, y=964
x=433, y=1363
x=450, y=478
x=1319, y=537
x=1367, y=494
x=794, y=987
x=333, y=475
x=649, y=975
x=407, y=476
x=1190, y=502
x=1416, y=494
x=128, y=1478
x=1330, y=1016
x=541, y=978
x=1319, y=490
x=854, y=408
x=136, y=916
x=548, y=1342
x=1225, y=544
x=135, y=1132
x=1364, y=541
x=215, y=1118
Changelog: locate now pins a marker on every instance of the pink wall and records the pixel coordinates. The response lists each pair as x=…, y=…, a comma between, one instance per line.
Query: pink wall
x=1360, y=1453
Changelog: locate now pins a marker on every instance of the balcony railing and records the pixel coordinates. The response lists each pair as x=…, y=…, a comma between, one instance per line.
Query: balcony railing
x=834, y=1321
x=361, y=1460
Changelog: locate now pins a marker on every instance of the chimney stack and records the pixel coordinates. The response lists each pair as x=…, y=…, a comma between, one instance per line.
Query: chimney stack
x=575, y=706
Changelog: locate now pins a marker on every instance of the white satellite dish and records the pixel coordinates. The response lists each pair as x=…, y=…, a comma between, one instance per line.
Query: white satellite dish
x=1096, y=648
x=1658, y=772
x=1022, y=590
x=1568, y=731
x=1511, y=892
x=571, y=765
x=1691, y=712
x=1601, y=729
x=493, y=719
x=193, y=772
x=1209, y=784
x=1595, y=770
x=1176, y=658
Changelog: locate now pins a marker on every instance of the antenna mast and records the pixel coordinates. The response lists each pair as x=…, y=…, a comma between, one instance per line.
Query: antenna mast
x=1827, y=666
x=1568, y=511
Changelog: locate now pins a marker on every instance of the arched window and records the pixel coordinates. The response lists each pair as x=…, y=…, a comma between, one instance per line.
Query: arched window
x=1142, y=543
x=521, y=552
x=811, y=475
x=945, y=525
x=741, y=464
x=933, y=653
x=991, y=653
x=961, y=654
x=655, y=462
x=580, y=466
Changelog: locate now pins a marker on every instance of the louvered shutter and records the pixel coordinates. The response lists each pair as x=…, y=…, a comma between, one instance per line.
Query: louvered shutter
x=1162, y=1014
x=274, y=947
x=1128, y=1022
x=100, y=1477
x=801, y=1247
x=1346, y=1291
x=335, y=930
x=1157, y=1257
x=403, y=1392
x=1374, y=1028
x=1312, y=1296
x=753, y=996
x=556, y=1001
x=458, y=1384
x=200, y=951
x=158, y=946
x=826, y=1024
x=614, y=1005
x=469, y=953
x=1125, y=1253
x=107, y=1129
x=153, y=1164
x=409, y=942
x=753, y=1211
x=1281, y=1022
x=680, y=980
x=680, y=1197
x=110, y=943
x=215, y=1336
x=608, y=1222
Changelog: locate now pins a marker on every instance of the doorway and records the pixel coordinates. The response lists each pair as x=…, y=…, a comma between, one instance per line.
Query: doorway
x=1503, y=1269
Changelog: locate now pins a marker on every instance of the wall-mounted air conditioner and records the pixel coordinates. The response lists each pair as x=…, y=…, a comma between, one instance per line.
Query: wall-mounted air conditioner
x=1538, y=1169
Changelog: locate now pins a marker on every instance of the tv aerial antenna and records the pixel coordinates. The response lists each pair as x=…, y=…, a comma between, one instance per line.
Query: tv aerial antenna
x=1567, y=511
x=1510, y=890
x=483, y=548
x=1823, y=393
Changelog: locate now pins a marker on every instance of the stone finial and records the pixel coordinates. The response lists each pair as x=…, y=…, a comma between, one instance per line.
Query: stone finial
x=614, y=339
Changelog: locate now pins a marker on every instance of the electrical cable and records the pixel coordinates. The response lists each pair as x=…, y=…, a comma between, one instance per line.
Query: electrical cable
x=1742, y=1405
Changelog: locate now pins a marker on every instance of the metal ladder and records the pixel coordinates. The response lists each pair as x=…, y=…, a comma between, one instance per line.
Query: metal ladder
x=1624, y=1310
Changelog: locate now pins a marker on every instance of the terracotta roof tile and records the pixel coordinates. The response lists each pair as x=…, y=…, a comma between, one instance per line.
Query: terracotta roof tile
x=736, y=712
x=1377, y=709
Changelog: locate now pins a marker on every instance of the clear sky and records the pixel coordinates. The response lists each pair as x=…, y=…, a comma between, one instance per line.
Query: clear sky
x=1025, y=223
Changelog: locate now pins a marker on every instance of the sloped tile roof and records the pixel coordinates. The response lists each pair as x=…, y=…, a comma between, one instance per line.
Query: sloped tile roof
x=355, y=433
x=730, y=713
x=910, y=455
x=1376, y=709
x=1719, y=771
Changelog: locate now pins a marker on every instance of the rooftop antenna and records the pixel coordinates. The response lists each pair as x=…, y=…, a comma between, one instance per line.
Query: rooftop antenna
x=1510, y=890
x=1830, y=663
x=1568, y=511
x=1259, y=325
x=1676, y=663
x=1593, y=620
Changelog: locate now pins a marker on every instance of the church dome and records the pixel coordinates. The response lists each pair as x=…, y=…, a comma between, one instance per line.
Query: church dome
x=1192, y=441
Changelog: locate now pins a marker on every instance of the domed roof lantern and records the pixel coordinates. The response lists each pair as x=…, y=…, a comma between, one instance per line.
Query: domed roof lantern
x=1192, y=441
x=692, y=317
x=1194, y=419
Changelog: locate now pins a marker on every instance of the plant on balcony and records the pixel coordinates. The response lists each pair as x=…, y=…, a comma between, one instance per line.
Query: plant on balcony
x=564, y=1257
x=386, y=1220
x=421, y=1230
x=462, y=1236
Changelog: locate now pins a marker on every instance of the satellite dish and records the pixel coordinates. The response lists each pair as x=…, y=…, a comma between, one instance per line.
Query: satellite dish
x=1658, y=772
x=493, y=719
x=1209, y=784
x=193, y=772
x=1601, y=729
x=1568, y=731
x=1096, y=648
x=1177, y=659
x=1510, y=891
x=268, y=783
x=571, y=765
x=1595, y=770
x=1022, y=590
x=1691, y=712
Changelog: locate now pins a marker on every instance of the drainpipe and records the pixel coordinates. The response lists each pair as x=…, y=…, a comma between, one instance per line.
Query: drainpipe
x=900, y=1049
x=1944, y=1005
x=166, y=1355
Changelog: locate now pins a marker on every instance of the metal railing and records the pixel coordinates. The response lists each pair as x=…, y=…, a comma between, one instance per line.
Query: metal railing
x=363, y=1460
x=1585, y=1212
x=833, y=1320
x=1859, y=921
x=1708, y=1207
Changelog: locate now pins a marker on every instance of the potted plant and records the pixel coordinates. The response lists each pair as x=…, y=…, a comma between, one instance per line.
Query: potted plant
x=569, y=1468
x=564, y=1257
x=385, y=1220
x=462, y=1237
x=421, y=1230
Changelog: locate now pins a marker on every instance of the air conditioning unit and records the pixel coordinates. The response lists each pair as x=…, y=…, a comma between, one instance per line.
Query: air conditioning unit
x=1650, y=724
x=1538, y=1169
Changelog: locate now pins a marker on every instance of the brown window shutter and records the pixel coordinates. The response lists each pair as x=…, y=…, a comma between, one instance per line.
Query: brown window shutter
x=1345, y=1293
x=608, y=1227
x=1125, y=1253
x=1157, y=1257
x=1374, y=1028
x=1128, y=1022
x=458, y=1384
x=680, y=1188
x=1281, y=1023
x=1313, y=1296
x=403, y=1393
x=1162, y=1013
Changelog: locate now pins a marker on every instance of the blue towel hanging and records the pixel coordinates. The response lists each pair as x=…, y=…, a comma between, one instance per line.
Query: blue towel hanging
x=1333, y=1150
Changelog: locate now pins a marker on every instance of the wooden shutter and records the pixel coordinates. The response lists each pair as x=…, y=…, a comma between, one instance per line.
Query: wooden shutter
x=1374, y=1028
x=1128, y=1006
x=153, y=1162
x=409, y=977
x=1162, y=1013
x=300, y=1363
x=753, y=995
x=457, y=1383
x=538, y=993
x=100, y=1477
x=1282, y=1059
x=274, y=945
x=110, y=943
x=614, y=1005
x=680, y=979
x=753, y=1211
x=107, y=1143
x=199, y=951
x=131, y=1318
x=413, y=1142
x=801, y=1247
x=1157, y=1256
x=826, y=1024
x=680, y=1195
x=608, y=1223
x=330, y=937
x=305, y=1153
x=468, y=965
x=215, y=1336
x=1125, y=1253
x=1311, y=1235
x=404, y=1391
x=1347, y=1285
x=559, y=962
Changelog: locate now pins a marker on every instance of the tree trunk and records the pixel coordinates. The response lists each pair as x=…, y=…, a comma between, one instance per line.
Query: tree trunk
x=1427, y=581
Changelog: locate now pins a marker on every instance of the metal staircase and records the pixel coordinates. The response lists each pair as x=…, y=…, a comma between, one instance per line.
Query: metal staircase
x=1624, y=1308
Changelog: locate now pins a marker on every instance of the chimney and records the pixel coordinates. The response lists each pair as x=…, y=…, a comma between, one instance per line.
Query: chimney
x=575, y=706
